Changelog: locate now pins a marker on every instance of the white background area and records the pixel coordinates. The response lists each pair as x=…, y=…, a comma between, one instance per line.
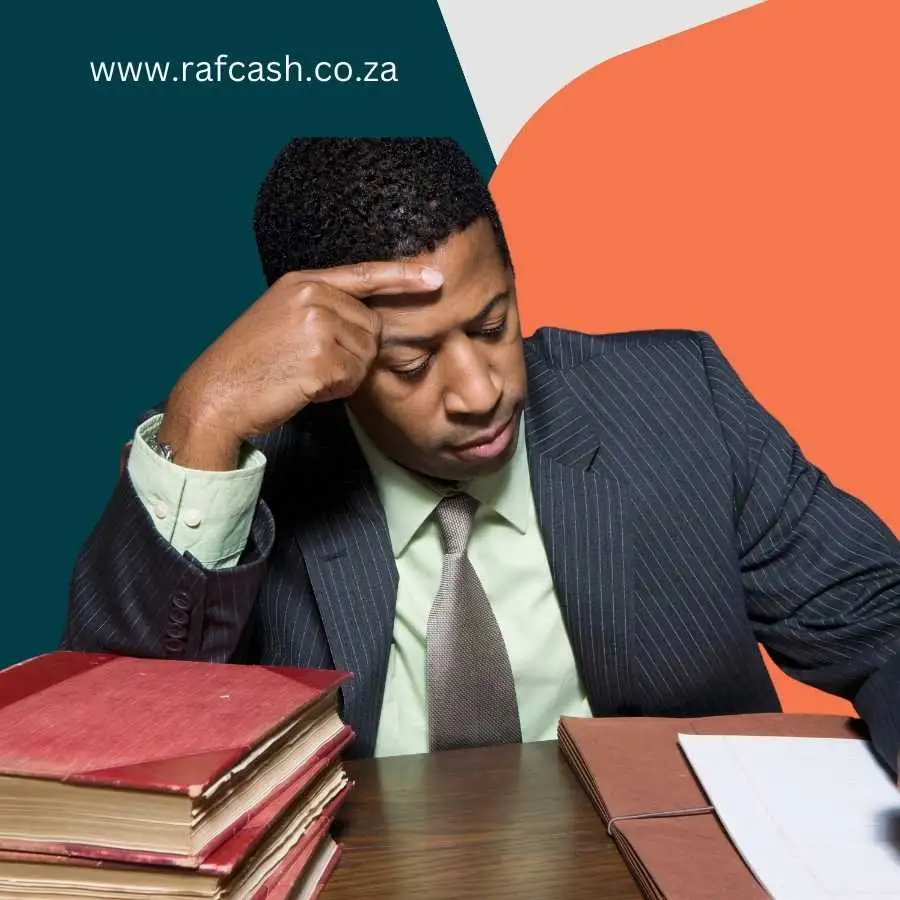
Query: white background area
x=516, y=54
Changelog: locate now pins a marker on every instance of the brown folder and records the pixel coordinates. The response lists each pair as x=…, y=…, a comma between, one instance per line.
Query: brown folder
x=634, y=767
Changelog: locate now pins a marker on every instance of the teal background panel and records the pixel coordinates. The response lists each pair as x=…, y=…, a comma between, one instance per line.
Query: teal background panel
x=129, y=243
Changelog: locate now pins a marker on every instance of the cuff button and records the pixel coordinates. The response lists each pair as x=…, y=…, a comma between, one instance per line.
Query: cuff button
x=192, y=518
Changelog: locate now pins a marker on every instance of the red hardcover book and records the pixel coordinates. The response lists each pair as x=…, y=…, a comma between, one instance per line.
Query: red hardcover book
x=277, y=852
x=163, y=757
x=306, y=878
x=309, y=791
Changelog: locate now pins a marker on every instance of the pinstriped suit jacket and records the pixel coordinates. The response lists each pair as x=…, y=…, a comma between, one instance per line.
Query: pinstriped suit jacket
x=681, y=521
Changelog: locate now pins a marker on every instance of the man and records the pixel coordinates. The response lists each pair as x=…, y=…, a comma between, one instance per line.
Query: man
x=370, y=469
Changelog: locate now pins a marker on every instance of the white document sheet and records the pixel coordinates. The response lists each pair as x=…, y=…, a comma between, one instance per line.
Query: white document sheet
x=813, y=818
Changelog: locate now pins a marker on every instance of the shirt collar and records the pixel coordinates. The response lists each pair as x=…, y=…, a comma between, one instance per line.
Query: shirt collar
x=409, y=499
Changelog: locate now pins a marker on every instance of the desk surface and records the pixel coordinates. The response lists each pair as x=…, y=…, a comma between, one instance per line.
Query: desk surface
x=493, y=823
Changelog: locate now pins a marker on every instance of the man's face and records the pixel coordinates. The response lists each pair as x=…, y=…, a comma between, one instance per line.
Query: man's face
x=444, y=395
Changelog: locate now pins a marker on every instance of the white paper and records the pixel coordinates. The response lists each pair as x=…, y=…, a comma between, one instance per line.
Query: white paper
x=813, y=818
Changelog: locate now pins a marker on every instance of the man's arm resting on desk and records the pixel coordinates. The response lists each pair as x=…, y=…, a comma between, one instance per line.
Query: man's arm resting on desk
x=821, y=571
x=174, y=565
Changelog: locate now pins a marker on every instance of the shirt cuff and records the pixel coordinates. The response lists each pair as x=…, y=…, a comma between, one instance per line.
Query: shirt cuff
x=208, y=514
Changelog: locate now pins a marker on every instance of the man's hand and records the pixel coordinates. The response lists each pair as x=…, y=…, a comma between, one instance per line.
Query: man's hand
x=308, y=339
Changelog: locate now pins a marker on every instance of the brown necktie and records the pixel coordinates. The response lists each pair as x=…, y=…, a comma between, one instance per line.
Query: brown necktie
x=471, y=692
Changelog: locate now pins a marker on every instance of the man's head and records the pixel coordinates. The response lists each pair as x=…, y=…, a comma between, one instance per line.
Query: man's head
x=450, y=371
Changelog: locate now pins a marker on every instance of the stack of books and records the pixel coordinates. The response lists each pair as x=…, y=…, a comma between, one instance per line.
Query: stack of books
x=123, y=777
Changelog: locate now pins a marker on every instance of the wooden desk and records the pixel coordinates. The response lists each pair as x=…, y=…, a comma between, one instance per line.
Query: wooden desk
x=494, y=823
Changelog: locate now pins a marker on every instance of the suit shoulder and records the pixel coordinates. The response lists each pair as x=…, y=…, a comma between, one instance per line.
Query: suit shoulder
x=561, y=348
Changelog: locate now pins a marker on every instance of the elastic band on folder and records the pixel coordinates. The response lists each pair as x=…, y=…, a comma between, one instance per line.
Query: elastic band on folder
x=670, y=813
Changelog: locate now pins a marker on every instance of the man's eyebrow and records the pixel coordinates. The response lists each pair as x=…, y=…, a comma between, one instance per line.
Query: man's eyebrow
x=425, y=340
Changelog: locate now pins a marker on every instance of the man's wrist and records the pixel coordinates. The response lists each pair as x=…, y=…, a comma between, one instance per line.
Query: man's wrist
x=197, y=442
x=166, y=451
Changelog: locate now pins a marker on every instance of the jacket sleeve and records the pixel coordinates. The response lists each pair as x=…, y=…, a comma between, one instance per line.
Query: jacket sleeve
x=821, y=571
x=132, y=592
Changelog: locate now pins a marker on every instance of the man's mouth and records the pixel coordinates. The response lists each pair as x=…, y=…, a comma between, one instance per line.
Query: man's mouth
x=489, y=444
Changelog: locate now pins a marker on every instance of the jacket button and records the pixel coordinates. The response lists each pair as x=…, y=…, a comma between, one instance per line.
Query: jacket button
x=173, y=645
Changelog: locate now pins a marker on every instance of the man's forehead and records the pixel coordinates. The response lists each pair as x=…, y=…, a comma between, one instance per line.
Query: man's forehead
x=473, y=248
x=428, y=318
x=474, y=279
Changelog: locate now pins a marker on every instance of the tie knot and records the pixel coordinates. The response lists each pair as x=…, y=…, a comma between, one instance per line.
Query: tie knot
x=455, y=515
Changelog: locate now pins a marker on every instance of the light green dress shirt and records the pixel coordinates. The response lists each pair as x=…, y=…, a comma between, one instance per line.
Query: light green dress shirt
x=210, y=513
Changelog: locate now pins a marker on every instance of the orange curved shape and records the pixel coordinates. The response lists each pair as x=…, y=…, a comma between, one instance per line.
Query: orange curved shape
x=741, y=178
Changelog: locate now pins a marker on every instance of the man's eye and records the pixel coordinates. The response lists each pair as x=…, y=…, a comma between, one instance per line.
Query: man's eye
x=493, y=331
x=415, y=372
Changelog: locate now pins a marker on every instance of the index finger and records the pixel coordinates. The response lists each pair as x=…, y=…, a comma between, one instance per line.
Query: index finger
x=368, y=279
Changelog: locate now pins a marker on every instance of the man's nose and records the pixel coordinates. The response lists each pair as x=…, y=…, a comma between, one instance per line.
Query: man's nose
x=474, y=386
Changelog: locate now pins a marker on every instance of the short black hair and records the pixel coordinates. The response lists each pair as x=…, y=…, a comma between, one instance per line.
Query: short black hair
x=338, y=201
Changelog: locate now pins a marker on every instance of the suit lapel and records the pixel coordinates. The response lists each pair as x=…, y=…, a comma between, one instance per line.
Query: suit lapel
x=584, y=516
x=347, y=550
